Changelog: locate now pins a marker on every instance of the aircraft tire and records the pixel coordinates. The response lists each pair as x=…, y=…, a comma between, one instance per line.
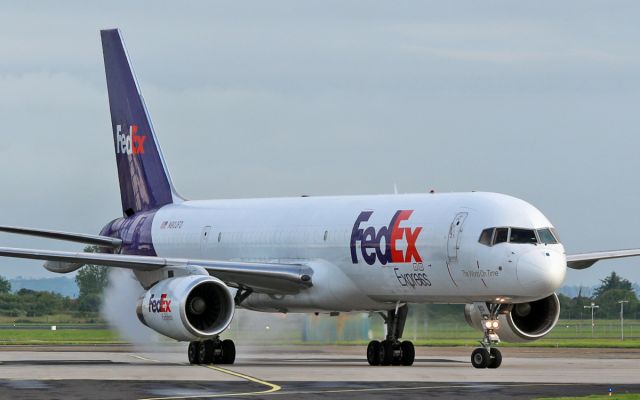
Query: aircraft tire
x=205, y=355
x=480, y=358
x=397, y=355
x=228, y=352
x=386, y=352
x=496, y=358
x=373, y=352
x=192, y=353
x=408, y=353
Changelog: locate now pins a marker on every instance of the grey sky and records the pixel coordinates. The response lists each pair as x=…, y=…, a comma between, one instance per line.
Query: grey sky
x=253, y=99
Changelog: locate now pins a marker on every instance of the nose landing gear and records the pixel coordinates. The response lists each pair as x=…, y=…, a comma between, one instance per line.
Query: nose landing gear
x=488, y=356
x=213, y=351
x=392, y=351
x=483, y=358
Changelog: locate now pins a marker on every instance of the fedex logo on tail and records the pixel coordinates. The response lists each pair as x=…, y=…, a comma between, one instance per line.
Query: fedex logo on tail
x=382, y=244
x=159, y=306
x=129, y=142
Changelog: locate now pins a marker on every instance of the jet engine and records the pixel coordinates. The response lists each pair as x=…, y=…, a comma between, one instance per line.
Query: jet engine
x=187, y=308
x=524, y=322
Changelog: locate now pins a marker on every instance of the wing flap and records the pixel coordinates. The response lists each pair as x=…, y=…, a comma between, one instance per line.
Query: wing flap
x=260, y=277
x=586, y=260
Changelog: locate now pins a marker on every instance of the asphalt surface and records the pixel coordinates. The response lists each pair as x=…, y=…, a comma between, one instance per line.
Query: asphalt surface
x=91, y=389
x=309, y=372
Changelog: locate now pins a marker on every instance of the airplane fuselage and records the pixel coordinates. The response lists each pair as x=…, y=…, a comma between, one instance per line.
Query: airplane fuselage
x=367, y=252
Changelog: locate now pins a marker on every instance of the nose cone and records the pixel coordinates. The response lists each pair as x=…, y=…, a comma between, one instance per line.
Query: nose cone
x=541, y=271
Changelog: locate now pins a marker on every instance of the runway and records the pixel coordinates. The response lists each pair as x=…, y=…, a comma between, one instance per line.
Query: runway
x=314, y=372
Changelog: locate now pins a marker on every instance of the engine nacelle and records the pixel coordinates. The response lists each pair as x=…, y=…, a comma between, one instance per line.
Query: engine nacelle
x=522, y=322
x=61, y=267
x=187, y=308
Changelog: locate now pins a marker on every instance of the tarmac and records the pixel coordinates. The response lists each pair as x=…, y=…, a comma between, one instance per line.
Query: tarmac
x=310, y=372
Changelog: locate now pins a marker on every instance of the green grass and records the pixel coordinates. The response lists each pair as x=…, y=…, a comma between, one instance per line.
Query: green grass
x=567, y=334
x=549, y=343
x=55, y=319
x=577, y=343
x=625, y=396
x=565, y=329
x=62, y=336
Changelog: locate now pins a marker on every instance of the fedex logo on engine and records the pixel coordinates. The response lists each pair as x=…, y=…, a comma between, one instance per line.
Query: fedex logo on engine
x=129, y=142
x=161, y=305
x=382, y=245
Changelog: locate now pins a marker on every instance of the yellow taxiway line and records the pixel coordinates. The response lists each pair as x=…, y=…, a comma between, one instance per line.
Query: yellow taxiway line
x=272, y=387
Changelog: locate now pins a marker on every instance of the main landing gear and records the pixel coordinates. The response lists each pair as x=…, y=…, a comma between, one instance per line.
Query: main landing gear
x=487, y=356
x=214, y=351
x=392, y=351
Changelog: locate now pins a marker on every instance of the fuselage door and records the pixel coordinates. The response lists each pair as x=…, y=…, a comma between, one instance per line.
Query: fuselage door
x=455, y=232
x=204, y=240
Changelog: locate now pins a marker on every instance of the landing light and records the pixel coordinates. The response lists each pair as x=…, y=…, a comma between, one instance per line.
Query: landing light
x=492, y=324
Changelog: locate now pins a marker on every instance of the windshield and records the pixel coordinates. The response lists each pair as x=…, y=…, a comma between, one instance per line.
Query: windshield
x=546, y=236
x=502, y=234
x=519, y=235
x=493, y=236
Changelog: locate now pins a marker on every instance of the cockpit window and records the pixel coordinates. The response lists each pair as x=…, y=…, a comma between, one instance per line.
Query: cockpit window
x=546, y=236
x=519, y=235
x=493, y=236
x=501, y=236
x=485, y=237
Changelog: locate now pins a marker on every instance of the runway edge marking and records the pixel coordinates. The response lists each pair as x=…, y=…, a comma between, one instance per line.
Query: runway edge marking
x=272, y=387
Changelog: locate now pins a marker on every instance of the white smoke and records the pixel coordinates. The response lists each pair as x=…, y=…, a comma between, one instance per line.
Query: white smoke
x=119, y=308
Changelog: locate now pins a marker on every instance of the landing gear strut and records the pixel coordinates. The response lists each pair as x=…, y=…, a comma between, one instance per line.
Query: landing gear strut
x=392, y=351
x=488, y=356
x=214, y=351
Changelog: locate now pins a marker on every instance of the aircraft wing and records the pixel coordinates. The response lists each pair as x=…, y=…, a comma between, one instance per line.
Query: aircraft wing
x=258, y=276
x=103, y=241
x=586, y=260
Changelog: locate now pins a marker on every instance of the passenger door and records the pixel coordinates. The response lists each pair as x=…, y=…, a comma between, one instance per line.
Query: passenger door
x=455, y=233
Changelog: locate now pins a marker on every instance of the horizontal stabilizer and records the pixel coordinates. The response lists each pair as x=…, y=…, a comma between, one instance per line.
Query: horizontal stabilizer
x=97, y=240
x=586, y=260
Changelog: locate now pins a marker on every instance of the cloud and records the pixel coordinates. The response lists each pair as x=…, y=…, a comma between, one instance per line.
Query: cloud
x=329, y=98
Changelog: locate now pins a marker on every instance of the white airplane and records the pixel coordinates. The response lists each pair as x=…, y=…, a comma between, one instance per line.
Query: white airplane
x=199, y=260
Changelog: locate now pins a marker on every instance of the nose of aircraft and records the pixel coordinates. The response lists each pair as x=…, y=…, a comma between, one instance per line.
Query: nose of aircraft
x=541, y=271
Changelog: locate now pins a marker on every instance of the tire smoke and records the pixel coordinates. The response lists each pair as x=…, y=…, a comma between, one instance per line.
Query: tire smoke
x=119, y=308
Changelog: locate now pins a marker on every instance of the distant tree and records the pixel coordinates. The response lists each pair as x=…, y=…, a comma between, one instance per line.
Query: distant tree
x=25, y=292
x=5, y=285
x=89, y=303
x=609, y=306
x=91, y=280
x=613, y=281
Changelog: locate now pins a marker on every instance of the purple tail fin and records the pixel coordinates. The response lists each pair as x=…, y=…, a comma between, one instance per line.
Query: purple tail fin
x=145, y=183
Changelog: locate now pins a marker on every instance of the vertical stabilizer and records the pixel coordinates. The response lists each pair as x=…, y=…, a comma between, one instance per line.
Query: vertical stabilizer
x=145, y=183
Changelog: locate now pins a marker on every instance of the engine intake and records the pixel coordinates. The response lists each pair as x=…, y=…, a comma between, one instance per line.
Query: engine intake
x=522, y=322
x=187, y=308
